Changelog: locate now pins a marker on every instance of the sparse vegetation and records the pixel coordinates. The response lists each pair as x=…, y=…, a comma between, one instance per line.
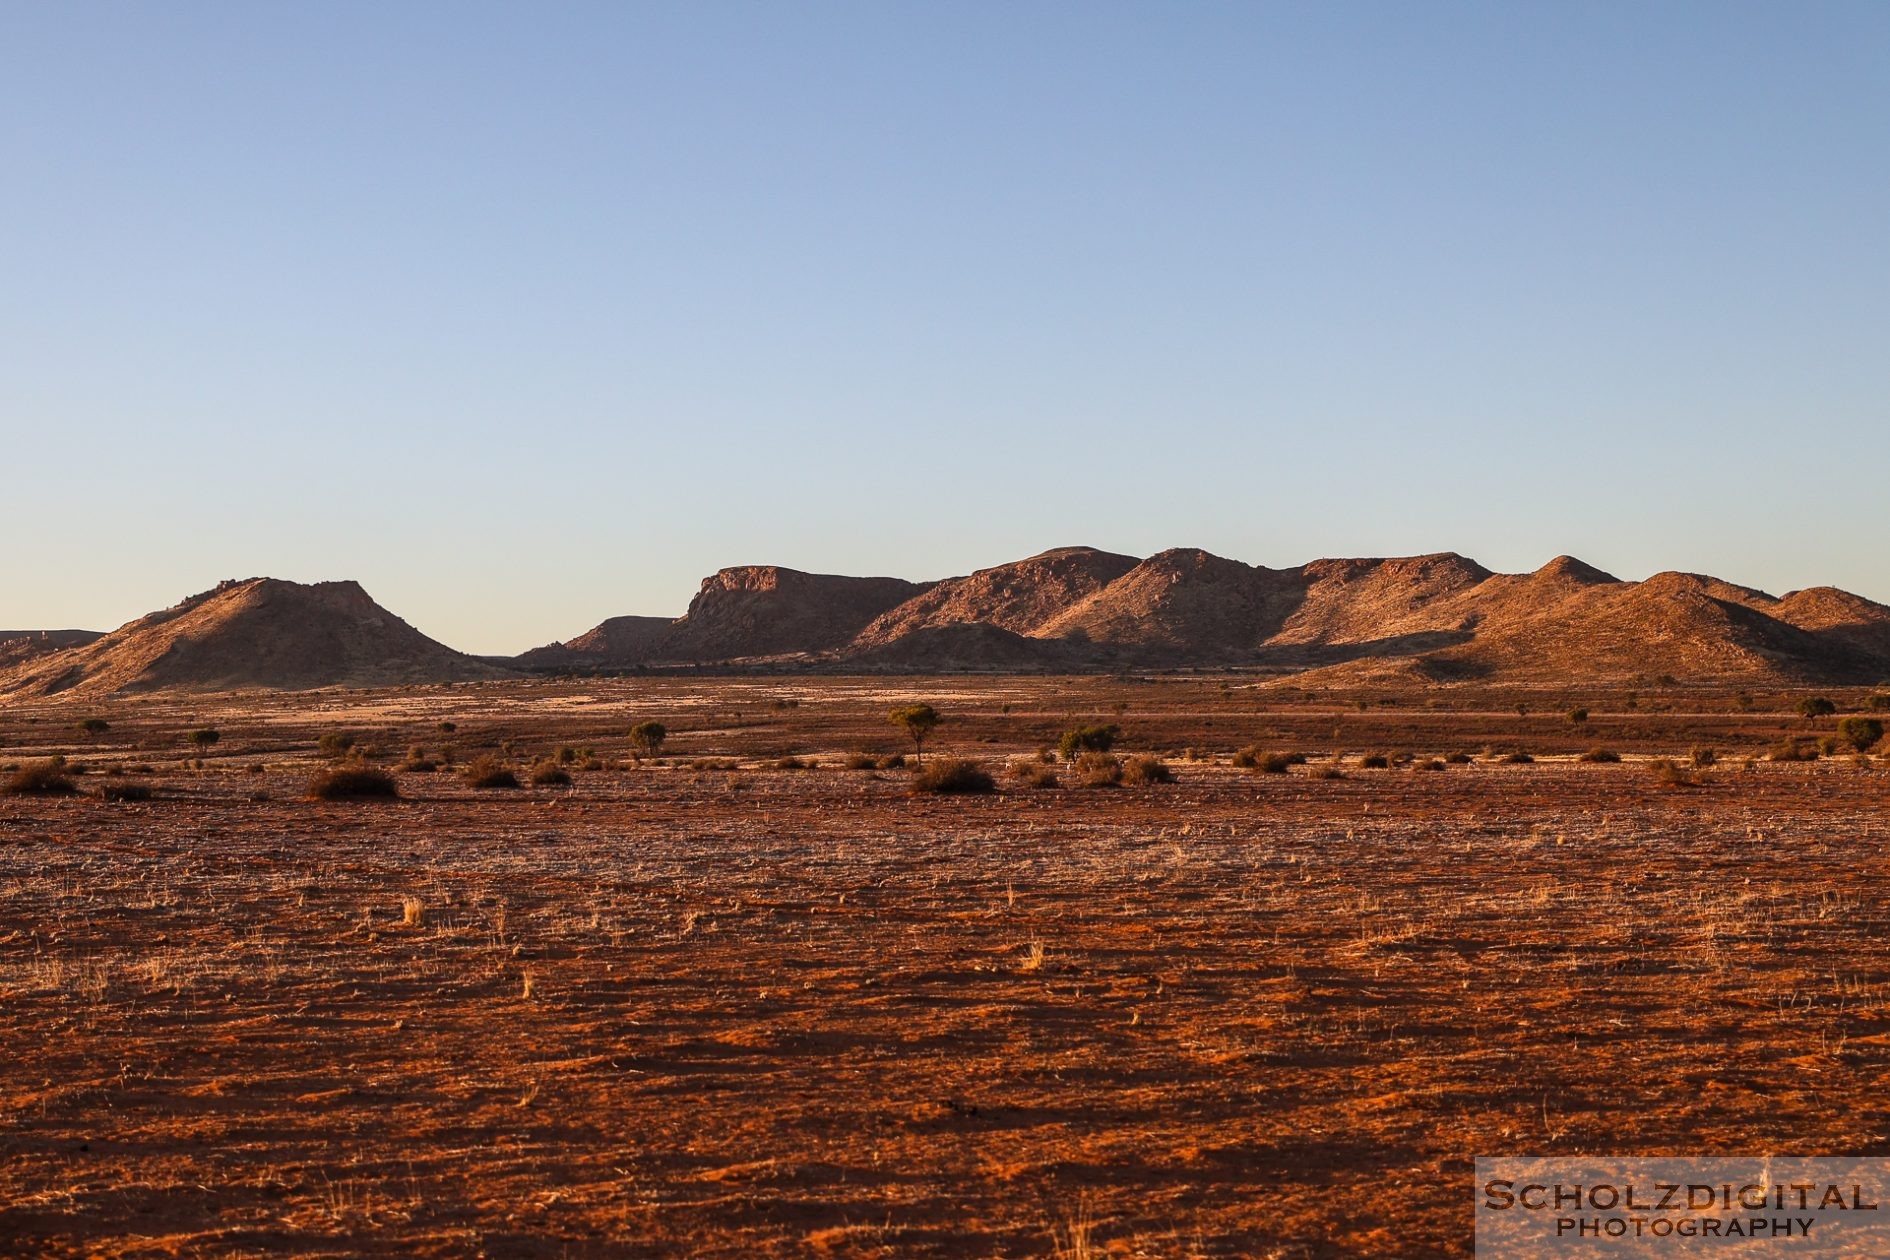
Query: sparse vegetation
x=94, y=726
x=1667, y=774
x=1140, y=771
x=1374, y=761
x=1087, y=739
x=1600, y=757
x=550, y=774
x=335, y=744
x=1578, y=715
x=204, y=738
x=40, y=778
x=348, y=783
x=1098, y=769
x=1862, y=733
x=1813, y=707
x=1033, y=773
x=489, y=772
x=952, y=776
x=121, y=792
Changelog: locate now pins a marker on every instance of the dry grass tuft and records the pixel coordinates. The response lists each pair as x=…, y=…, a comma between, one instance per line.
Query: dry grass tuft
x=490, y=772
x=1144, y=770
x=954, y=775
x=40, y=778
x=352, y=783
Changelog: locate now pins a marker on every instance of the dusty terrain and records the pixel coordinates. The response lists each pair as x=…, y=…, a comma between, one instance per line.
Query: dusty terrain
x=696, y=1008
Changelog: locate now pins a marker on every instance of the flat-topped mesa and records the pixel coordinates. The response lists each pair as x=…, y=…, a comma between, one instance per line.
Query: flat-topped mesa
x=253, y=633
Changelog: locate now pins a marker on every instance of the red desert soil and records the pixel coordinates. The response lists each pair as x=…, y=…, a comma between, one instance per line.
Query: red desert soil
x=686, y=1009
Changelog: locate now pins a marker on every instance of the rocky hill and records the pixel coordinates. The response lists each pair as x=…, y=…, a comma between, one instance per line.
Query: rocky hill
x=258, y=633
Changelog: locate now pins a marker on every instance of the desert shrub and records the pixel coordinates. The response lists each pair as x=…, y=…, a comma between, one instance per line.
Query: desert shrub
x=125, y=792
x=41, y=778
x=1427, y=763
x=418, y=762
x=1815, y=707
x=449, y=727
x=1703, y=758
x=1275, y=763
x=1667, y=774
x=1325, y=770
x=204, y=737
x=1247, y=758
x=94, y=726
x=489, y=772
x=1087, y=739
x=1829, y=745
x=351, y=783
x=335, y=743
x=1600, y=756
x=1458, y=759
x=1878, y=703
x=647, y=738
x=1794, y=750
x=1144, y=770
x=550, y=774
x=1578, y=715
x=797, y=763
x=953, y=775
x=1374, y=761
x=861, y=761
x=1098, y=769
x=1032, y=773
x=1517, y=758
x=1862, y=732
x=713, y=763
x=893, y=761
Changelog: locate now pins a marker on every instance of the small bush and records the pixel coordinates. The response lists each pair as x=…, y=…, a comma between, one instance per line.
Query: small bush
x=1600, y=756
x=1879, y=703
x=335, y=744
x=1247, y=758
x=797, y=763
x=1794, y=750
x=1517, y=758
x=893, y=761
x=41, y=778
x=861, y=761
x=1667, y=774
x=1428, y=763
x=1145, y=770
x=1032, y=773
x=352, y=783
x=1325, y=770
x=1578, y=715
x=1275, y=763
x=953, y=775
x=1862, y=732
x=94, y=726
x=1374, y=761
x=1815, y=707
x=1098, y=769
x=125, y=792
x=418, y=762
x=1458, y=759
x=489, y=772
x=550, y=774
x=1703, y=758
x=1087, y=739
x=204, y=737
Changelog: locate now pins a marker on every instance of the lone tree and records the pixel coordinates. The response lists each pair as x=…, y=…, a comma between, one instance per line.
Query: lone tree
x=1812, y=707
x=647, y=738
x=204, y=737
x=919, y=720
x=1082, y=739
x=1860, y=732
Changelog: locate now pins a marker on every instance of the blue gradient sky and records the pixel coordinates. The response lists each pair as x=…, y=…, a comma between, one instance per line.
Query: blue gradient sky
x=528, y=315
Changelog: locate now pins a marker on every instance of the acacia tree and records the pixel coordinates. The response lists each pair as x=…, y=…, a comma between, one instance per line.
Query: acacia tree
x=918, y=720
x=205, y=737
x=647, y=738
x=1812, y=707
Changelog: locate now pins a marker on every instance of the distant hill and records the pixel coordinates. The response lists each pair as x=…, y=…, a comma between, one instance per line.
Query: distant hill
x=1425, y=619
x=259, y=633
x=17, y=646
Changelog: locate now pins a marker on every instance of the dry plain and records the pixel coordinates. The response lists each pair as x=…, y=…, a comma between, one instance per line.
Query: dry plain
x=705, y=1005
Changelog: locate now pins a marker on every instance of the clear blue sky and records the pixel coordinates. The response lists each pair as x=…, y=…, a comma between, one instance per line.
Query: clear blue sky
x=528, y=315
